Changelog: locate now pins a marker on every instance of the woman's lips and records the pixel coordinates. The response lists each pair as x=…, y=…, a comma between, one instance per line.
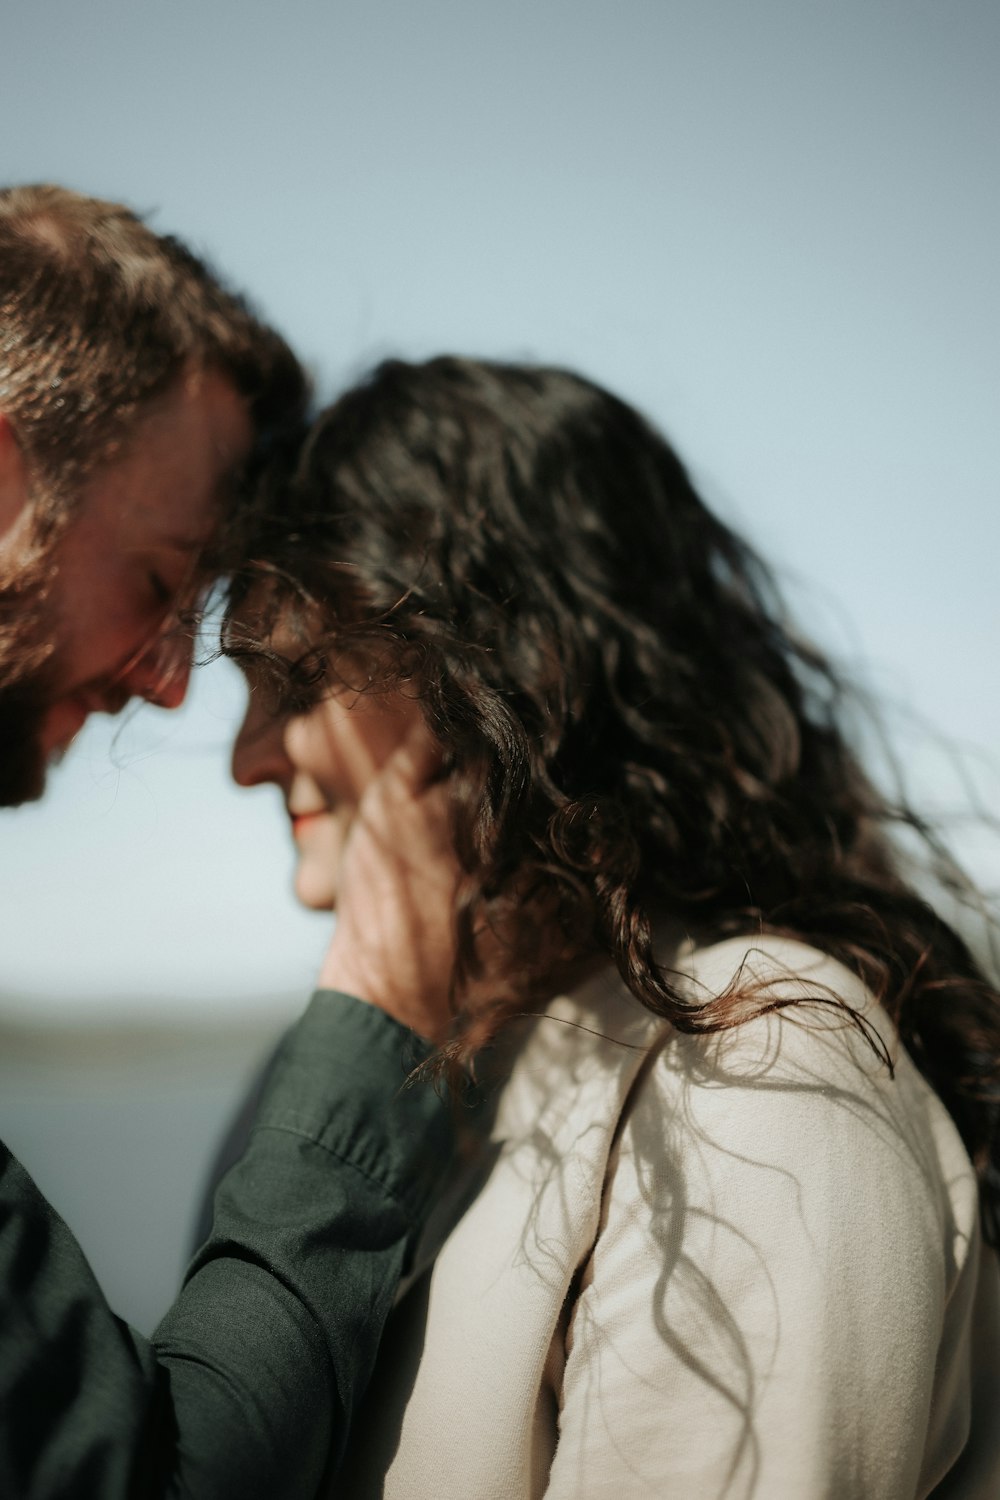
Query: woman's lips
x=301, y=821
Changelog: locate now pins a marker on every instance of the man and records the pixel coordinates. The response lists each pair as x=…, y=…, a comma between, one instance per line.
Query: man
x=132, y=389
x=136, y=397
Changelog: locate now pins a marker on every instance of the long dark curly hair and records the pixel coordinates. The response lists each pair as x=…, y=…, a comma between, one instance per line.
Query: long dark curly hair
x=630, y=725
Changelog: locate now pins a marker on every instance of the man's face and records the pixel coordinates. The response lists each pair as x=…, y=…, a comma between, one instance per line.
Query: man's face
x=118, y=574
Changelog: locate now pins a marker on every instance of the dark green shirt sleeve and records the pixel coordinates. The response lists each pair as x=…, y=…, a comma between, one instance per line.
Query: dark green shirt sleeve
x=247, y=1388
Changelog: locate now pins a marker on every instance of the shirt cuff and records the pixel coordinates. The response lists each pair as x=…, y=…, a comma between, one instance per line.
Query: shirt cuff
x=342, y=1078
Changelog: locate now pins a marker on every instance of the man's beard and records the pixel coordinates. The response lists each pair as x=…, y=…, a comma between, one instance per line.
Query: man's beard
x=25, y=689
x=22, y=761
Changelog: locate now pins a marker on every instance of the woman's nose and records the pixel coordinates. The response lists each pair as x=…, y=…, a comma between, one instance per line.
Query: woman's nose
x=259, y=748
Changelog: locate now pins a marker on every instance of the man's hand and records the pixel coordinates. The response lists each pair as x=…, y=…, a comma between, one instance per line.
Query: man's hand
x=394, y=942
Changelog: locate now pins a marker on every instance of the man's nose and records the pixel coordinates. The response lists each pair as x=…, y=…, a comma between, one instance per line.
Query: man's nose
x=161, y=674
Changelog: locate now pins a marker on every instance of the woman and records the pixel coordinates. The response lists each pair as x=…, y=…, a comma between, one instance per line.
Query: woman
x=728, y=1241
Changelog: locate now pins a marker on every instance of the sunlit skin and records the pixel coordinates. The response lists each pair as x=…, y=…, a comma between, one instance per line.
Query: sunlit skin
x=322, y=762
x=370, y=822
x=124, y=564
x=372, y=828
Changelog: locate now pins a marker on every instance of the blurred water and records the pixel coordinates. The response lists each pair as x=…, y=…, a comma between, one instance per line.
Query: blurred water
x=118, y=1127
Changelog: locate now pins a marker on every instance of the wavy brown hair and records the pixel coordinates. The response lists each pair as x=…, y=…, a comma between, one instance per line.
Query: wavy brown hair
x=630, y=726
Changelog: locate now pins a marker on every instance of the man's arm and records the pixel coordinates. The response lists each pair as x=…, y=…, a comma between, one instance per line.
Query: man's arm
x=248, y=1385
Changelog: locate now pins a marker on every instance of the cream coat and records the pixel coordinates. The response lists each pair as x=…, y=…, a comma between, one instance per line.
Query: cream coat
x=743, y=1265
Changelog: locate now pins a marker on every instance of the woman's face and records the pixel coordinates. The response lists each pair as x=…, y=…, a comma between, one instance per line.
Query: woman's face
x=322, y=761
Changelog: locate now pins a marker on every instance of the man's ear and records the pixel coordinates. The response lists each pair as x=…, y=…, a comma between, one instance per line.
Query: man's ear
x=13, y=481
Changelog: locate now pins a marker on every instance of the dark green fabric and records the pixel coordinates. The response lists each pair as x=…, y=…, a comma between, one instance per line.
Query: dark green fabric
x=248, y=1385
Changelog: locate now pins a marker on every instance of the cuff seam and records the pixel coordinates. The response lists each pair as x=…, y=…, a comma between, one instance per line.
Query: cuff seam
x=306, y=1135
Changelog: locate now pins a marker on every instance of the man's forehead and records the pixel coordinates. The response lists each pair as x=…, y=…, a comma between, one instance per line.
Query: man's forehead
x=180, y=464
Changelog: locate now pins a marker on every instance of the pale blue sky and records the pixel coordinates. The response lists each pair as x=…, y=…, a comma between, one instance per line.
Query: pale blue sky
x=775, y=226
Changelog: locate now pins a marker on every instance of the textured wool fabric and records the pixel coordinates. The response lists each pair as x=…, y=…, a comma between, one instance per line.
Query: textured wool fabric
x=730, y=1266
x=249, y=1384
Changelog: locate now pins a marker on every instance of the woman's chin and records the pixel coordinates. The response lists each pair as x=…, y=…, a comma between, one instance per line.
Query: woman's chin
x=315, y=889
